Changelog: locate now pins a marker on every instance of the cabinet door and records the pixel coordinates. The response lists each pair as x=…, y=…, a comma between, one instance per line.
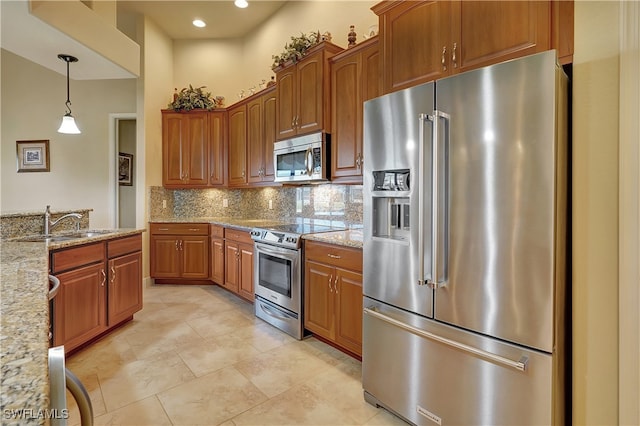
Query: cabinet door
x=237, y=145
x=80, y=306
x=286, y=102
x=371, y=76
x=172, y=135
x=196, y=148
x=415, y=39
x=217, y=260
x=346, y=120
x=246, y=271
x=124, y=287
x=255, y=140
x=194, y=251
x=318, y=299
x=165, y=256
x=269, y=114
x=217, y=147
x=231, y=268
x=310, y=101
x=488, y=32
x=348, y=287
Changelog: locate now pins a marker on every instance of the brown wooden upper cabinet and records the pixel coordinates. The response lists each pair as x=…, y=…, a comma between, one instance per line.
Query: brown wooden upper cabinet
x=193, y=148
x=303, y=90
x=426, y=40
x=261, y=135
x=251, y=139
x=355, y=78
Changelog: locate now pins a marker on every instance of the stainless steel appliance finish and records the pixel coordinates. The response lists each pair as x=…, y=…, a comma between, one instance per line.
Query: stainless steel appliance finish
x=464, y=247
x=302, y=159
x=278, y=274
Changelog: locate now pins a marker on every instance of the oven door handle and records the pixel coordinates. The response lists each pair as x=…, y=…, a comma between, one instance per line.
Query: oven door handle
x=275, y=251
x=272, y=312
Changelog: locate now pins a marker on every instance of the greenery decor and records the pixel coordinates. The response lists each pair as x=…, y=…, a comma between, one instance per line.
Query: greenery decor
x=188, y=99
x=298, y=46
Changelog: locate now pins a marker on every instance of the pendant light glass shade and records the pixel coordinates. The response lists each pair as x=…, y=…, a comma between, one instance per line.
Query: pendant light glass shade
x=68, y=125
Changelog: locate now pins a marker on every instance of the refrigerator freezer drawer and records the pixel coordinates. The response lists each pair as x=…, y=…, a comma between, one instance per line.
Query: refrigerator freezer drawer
x=430, y=373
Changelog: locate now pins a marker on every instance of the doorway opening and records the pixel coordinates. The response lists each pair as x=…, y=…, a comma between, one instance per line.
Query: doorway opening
x=124, y=171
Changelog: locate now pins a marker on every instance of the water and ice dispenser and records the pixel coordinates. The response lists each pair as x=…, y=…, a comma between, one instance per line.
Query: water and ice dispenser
x=391, y=207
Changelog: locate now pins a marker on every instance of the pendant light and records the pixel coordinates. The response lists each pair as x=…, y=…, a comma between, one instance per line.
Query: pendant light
x=68, y=124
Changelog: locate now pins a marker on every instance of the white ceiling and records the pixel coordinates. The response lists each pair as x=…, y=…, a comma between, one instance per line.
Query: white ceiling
x=33, y=39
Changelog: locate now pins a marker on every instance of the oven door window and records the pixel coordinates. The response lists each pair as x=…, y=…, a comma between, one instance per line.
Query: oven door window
x=275, y=274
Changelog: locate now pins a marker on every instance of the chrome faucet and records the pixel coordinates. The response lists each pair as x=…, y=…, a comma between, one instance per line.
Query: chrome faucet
x=49, y=224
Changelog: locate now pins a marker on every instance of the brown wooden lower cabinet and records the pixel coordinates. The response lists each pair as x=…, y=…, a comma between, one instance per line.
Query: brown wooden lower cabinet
x=179, y=252
x=238, y=263
x=217, y=254
x=333, y=294
x=100, y=287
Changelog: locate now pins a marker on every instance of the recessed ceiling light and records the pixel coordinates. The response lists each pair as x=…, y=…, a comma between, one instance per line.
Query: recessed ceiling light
x=199, y=23
x=241, y=3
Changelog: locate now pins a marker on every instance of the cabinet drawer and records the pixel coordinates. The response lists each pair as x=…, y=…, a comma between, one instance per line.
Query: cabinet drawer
x=124, y=245
x=75, y=257
x=342, y=257
x=179, y=228
x=239, y=236
x=216, y=231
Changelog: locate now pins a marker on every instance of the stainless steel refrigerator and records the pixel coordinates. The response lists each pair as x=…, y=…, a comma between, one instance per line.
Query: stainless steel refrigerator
x=465, y=236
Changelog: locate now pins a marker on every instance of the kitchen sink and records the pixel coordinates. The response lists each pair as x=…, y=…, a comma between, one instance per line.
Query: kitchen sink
x=63, y=237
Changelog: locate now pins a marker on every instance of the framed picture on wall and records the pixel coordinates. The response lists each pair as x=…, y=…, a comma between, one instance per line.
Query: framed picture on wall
x=125, y=169
x=32, y=156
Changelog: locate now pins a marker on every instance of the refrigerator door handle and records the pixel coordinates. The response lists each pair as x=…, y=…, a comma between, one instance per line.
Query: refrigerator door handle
x=435, y=196
x=421, y=278
x=520, y=365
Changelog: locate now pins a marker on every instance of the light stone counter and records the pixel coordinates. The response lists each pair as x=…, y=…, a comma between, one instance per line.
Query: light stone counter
x=227, y=222
x=349, y=238
x=24, y=333
x=24, y=337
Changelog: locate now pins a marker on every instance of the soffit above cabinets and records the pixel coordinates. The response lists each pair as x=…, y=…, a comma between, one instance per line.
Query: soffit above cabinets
x=28, y=36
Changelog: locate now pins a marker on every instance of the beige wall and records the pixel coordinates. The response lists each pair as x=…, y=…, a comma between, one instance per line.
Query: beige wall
x=32, y=107
x=595, y=213
x=157, y=77
x=228, y=66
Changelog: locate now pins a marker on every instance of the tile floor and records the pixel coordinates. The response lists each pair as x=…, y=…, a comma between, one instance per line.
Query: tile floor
x=196, y=355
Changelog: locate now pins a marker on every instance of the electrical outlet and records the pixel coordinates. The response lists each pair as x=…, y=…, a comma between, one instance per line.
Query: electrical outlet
x=270, y=204
x=225, y=202
x=164, y=204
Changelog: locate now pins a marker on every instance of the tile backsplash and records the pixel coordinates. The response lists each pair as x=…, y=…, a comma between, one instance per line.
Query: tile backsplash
x=327, y=201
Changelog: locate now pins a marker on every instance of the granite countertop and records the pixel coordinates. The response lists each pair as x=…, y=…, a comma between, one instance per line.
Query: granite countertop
x=24, y=333
x=228, y=222
x=349, y=237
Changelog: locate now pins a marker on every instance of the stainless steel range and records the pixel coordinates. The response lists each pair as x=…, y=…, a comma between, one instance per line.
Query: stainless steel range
x=278, y=273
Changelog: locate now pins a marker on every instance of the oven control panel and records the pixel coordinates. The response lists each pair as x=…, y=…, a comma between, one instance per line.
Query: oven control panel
x=281, y=239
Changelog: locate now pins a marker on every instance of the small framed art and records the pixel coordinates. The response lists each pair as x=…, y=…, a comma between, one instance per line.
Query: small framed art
x=32, y=156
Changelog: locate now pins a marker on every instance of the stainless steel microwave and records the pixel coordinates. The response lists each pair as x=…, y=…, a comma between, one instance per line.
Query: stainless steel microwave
x=302, y=159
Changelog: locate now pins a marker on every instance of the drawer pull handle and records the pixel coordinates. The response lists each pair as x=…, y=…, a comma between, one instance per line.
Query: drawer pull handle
x=193, y=229
x=334, y=256
x=163, y=229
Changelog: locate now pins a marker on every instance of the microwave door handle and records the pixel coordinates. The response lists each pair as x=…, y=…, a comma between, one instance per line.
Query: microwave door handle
x=308, y=161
